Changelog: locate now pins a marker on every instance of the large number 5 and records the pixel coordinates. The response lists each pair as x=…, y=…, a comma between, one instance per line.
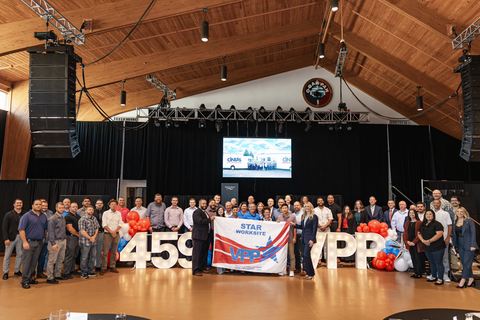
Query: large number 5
x=159, y=262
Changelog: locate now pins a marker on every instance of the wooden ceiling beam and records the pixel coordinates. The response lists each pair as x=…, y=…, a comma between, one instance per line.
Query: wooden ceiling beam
x=442, y=123
x=152, y=96
x=16, y=36
x=396, y=65
x=5, y=85
x=111, y=72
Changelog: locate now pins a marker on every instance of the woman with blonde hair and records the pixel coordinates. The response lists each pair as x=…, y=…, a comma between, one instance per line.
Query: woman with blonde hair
x=309, y=227
x=260, y=207
x=464, y=241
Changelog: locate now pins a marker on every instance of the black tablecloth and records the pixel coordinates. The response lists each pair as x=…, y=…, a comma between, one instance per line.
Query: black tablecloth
x=430, y=314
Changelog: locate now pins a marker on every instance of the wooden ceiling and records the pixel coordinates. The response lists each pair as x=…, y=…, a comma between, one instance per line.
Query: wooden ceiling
x=393, y=47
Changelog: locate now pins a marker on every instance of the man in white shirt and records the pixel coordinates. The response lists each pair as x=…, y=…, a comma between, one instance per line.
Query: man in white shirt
x=444, y=218
x=141, y=210
x=398, y=220
x=228, y=209
x=188, y=215
x=111, y=223
x=445, y=204
x=421, y=210
x=325, y=219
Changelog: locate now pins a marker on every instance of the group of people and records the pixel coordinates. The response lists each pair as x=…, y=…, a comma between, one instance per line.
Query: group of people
x=44, y=240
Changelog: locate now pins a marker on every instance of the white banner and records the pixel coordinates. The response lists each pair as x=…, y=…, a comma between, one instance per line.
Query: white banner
x=249, y=245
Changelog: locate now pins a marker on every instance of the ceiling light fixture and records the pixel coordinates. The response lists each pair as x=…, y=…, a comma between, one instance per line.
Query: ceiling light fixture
x=204, y=28
x=321, y=50
x=201, y=123
x=123, y=95
x=419, y=100
x=224, y=70
x=334, y=5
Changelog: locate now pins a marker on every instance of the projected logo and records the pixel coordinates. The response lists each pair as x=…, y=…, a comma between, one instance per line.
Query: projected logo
x=317, y=92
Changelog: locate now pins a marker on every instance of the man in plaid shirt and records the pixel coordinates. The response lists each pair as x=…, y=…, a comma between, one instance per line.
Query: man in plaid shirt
x=88, y=226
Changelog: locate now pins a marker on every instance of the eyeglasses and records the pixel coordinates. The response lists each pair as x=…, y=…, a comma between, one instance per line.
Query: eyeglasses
x=453, y=200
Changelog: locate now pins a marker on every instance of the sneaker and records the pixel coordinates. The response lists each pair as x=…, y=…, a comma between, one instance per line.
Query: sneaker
x=282, y=274
x=102, y=272
x=75, y=273
x=67, y=277
x=19, y=274
x=446, y=278
x=53, y=281
x=430, y=277
x=84, y=276
x=92, y=274
x=5, y=276
x=292, y=274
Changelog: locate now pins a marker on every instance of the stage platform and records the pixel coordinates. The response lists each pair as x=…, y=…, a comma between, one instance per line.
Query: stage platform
x=345, y=293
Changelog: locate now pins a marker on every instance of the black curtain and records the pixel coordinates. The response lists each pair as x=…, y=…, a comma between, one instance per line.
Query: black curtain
x=100, y=156
x=29, y=190
x=134, y=167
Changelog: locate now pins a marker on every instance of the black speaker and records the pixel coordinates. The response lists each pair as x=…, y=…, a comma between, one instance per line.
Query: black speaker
x=52, y=86
x=470, y=74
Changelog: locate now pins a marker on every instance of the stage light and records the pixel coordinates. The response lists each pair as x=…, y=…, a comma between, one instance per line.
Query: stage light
x=349, y=126
x=168, y=123
x=218, y=108
x=219, y=125
x=204, y=29
x=232, y=108
x=249, y=110
x=223, y=70
x=308, y=110
x=419, y=100
x=157, y=123
x=331, y=127
x=321, y=50
x=202, y=107
x=308, y=127
x=334, y=5
x=338, y=126
x=279, y=109
x=292, y=111
x=280, y=127
x=342, y=107
x=176, y=124
x=299, y=120
x=123, y=95
x=262, y=109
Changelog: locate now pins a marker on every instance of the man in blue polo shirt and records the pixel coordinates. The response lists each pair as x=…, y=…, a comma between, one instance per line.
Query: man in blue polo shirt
x=32, y=228
x=251, y=214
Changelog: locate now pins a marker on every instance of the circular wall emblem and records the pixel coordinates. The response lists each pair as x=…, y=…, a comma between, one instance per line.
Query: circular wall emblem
x=317, y=92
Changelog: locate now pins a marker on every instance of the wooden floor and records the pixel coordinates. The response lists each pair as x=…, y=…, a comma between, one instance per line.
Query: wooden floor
x=345, y=293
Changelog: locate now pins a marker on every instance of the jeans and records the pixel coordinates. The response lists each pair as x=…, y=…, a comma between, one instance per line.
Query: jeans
x=87, y=260
x=108, y=241
x=70, y=254
x=98, y=256
x=18, y=245
x=307, y=260
x=446, y=262
x=436, y=264
x=466, y=256
x=30, y=259
x=298, y=250
x=42, y=260
x=56, y=258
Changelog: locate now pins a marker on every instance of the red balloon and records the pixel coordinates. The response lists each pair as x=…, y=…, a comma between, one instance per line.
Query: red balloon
x=144, y=224
x=366, y=229
x=391, y=256
x=374, y=262
x=381, y=255
x=132, y=232
x=359, y=229
x=384, y=225
x=390, y=267
x=132, y=223
x=380, y=264
x=132, y=215
x=388, y=262
x=384, y=234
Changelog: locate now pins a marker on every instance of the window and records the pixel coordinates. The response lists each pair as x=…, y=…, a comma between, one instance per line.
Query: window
x=3, y=100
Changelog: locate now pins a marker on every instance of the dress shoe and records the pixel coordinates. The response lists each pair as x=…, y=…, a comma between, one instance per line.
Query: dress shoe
x=432, y=280
x=102, y=272
x=75, y=273
x=59, y=278
x=439, y=283
x=472, y=285
x=461, y=287
x=198, y=274
x=114, y=270
x=25, y=286
x=18, y=273
x=413, y=275
x=41, y=275
x=206, y=271
x=92, y=274
x=67, y=277
x=303, y=273
x=53, y=281
x=5, y=276
x=33, y=281
x=417, y=276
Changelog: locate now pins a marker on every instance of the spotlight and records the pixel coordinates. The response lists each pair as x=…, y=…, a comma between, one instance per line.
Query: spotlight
x=308, y=110
x=338, y=126
x=331, y=127
x=349, y=126
x=219, y=125
x=157, y=123
x=201, y=123
x=308, y=126
x=202, y=107
x=280, y=127
x=334, y=5
x=321, y=50
x=204, y=29
x=232, y=108
x=249, y=110
x=218, y=108
x=292, y=111
x=279, y=109
x=168, y=123
x=342, y=107
x=223, y=70
x=176, y=124
x=262, y=109
x=123, y=95
x=419, y=100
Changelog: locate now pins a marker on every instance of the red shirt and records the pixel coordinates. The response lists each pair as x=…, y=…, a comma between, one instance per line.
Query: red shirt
x=124, y=213
x=345, y=223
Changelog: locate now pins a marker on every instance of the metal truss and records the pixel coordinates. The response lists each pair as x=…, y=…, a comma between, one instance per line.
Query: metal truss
x=179, y=114
x=47, y=12
x=172, y=94
x=467, y=36
x=342, y=56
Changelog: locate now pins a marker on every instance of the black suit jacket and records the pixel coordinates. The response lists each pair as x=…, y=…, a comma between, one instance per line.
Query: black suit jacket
x=386, y=217
x=201, y=225
x=377, y=215
x=309, y=229
x=10, y=224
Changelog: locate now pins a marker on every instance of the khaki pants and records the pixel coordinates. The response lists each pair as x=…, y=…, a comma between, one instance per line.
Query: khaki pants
x=55, y=258
x=108, y=241
x=291, y=253
x=455, y=262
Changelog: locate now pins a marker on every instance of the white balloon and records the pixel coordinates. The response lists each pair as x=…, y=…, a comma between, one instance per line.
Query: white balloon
x=125, y=228
x=373, y=245
x=406, y=255
x=401, y=264
x=392, y=235
x=127, y=236
x=121, y=233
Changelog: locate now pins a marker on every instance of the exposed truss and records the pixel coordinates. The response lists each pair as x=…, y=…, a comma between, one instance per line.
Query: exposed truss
x=47, y=12
x=172, y=94
x=467, y=36
x=342, y=56
x=178, y=114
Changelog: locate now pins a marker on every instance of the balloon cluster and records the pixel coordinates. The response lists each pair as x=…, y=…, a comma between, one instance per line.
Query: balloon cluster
x=384, y=261
x=133, y=225
x=374, y=226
